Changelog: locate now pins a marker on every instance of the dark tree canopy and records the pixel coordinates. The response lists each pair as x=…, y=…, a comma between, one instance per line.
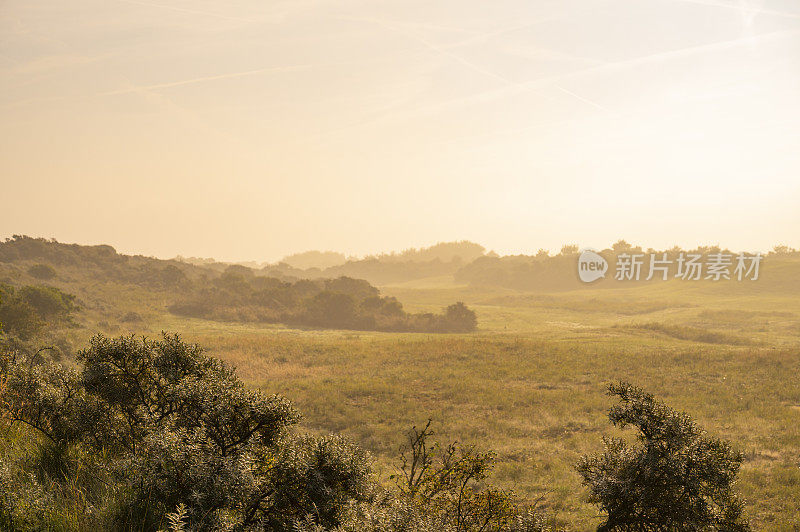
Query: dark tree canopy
x=342, y=303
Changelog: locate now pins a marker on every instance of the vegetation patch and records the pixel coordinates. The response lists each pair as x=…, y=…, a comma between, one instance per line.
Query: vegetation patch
x=342, y=303
x=593, y=304
x=24, y=311
x=693, y=334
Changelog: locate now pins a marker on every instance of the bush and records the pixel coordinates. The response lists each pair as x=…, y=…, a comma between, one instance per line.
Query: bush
x=19, y=318
x=49, y=302
x=44, y=272
x=676, y=478
x=25, y=311
x=459, y=318
x=445, y=489
x=176, y=427
x=131, y=317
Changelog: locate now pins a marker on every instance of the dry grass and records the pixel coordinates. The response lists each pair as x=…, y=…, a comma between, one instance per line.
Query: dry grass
x=530, y=384
x=538, y=403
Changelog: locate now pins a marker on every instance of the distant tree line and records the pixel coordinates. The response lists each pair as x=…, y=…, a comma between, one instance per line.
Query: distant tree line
x=282, y=294
x=465, y=261
x=314, y=259
x=443, y=258
x=543, y=272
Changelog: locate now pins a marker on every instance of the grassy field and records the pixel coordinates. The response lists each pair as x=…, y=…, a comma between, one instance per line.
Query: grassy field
x=530, y=383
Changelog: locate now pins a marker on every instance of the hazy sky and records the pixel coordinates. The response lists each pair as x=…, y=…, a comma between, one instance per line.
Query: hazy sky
x=248, y=129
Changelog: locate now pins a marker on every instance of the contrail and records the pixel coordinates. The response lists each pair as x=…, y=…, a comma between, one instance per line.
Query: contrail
x=522, y=87
x=481, y=70
x=458, y=58
x=429, y=45
x=581, y=98
x=495, y=33
x=203, y=79
x=611, y=67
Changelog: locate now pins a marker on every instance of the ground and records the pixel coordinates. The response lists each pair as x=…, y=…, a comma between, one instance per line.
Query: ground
x=529, y=384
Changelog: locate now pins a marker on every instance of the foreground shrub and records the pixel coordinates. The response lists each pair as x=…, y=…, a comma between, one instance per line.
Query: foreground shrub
x=676, y=478
x=445, y=488
x=176, y=427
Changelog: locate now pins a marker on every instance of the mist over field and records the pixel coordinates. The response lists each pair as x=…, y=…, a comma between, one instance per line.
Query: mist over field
x=399, y=266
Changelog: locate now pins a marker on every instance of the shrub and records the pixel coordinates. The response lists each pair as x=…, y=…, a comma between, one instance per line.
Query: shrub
x=177, y=427
x=24, y=311
x=131, y=317
x=445, y=488
x=49, y=302
x=676, y=478
x=18, y=317
x=459, y=318
x=44, y=272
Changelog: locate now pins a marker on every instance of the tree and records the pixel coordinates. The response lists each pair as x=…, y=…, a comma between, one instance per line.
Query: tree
x=621, y=246
x=357, y=288
x=330, y=309
x=569, y=249
x=675, y=478
x=20, y=319
x=171, y=276
x=314, y=259
x=238, y=269
x=782, y=249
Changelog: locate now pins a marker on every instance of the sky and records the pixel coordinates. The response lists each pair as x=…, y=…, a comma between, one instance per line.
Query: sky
x=251, y=129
